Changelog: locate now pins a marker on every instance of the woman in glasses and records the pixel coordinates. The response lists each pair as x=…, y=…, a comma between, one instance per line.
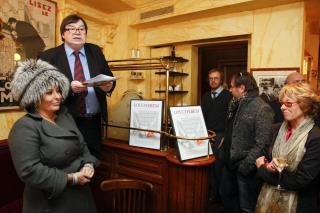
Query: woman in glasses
x=291, y=170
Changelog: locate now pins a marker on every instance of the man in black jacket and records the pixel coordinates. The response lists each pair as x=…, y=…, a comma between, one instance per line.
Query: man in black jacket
x=248, y=133
x=81, y=61
x=214, y=104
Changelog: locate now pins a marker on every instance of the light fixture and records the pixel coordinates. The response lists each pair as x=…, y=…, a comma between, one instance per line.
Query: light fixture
x=170, y=61
x=16, y=57
x=307, y=65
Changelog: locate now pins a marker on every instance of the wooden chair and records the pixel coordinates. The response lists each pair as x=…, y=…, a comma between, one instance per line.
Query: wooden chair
x=128, y=196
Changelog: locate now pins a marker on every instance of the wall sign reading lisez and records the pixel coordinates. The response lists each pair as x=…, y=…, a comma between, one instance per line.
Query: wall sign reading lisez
x=145, y=115
x=188, y=122
x=27, y=27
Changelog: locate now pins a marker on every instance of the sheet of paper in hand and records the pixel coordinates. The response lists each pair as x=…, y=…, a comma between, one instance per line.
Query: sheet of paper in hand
x=99, y=80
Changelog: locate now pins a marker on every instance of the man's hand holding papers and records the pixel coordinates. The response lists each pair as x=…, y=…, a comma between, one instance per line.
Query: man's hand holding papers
x=100, y=80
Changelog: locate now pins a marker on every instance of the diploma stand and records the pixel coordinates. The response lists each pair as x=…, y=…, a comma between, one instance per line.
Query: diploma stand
x=178, y=186
x=166, y=63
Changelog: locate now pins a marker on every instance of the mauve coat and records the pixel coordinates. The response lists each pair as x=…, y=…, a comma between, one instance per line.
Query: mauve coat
x=43, y=154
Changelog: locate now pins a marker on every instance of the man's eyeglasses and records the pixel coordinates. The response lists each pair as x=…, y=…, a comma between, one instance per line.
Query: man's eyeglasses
x=213, y=79
x=74, y=30
x=288, y=103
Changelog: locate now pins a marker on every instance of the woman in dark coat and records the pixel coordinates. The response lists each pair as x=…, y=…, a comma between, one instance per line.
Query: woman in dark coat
x=297, y=140
x=47, y=149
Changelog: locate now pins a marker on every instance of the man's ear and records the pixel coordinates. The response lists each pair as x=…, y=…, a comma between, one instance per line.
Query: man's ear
x=242, y=89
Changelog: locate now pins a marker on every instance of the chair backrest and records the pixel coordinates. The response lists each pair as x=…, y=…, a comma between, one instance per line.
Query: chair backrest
x=128, y=196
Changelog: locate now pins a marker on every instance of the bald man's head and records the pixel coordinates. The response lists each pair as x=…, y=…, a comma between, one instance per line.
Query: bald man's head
x=295, y=78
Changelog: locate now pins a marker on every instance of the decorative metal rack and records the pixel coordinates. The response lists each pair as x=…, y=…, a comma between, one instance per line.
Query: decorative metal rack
x=166, y=63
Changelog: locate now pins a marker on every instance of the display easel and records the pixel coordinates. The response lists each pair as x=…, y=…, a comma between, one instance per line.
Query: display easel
x=166, y=63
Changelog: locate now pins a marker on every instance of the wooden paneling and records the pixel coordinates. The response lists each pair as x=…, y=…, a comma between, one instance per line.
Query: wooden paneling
x=188, y=188
x=178, y=187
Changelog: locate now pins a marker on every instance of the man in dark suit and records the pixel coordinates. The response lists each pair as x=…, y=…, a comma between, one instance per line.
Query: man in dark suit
x=214, y=104
x=81, y=61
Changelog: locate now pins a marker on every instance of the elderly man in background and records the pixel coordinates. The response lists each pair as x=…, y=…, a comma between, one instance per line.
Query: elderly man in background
x=295, y=77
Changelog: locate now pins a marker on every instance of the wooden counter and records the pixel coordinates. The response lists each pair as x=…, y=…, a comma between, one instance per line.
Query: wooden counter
x=178, y=186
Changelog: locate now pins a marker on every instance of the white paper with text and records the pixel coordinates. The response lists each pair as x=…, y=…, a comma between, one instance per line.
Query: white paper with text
x=188, y=122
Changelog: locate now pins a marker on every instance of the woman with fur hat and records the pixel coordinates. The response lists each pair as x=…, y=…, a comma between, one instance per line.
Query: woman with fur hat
x=48, y=151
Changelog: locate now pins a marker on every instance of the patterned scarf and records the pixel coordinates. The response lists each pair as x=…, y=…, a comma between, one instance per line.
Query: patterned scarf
x=233, y=106
x=270, y=199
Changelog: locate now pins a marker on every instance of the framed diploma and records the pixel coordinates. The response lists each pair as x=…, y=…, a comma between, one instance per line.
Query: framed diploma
x=188, y=122
x=145, y=115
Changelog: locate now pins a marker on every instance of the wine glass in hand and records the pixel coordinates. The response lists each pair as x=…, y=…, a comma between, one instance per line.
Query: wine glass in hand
x=281, y=163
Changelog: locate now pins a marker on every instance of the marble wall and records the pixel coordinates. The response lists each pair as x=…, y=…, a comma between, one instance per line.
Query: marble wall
x=276, y=38
x=275, y=35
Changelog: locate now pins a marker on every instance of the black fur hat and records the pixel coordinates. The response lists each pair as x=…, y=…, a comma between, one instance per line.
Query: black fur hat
x=33, y=78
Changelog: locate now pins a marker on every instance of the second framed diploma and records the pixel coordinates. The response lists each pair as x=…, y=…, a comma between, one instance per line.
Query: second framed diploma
x=188, y=122
x=145, y=115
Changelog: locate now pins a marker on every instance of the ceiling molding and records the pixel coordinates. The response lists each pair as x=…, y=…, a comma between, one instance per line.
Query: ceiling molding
x=109, y=6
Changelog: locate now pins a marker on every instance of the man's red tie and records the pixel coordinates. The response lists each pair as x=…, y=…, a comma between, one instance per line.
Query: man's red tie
x=79, y=76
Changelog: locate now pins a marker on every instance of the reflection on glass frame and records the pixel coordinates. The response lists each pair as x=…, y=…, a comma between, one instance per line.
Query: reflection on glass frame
x=188, y=122
x=26, y=28
x=271, y=80
x=145, y=114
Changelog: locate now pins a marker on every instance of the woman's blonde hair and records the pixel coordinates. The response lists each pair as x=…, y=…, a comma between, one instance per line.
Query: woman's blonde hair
x=308, y=100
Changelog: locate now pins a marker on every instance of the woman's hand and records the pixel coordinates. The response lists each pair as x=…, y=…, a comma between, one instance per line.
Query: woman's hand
x=260, y=161
x=82, y=179
x=87, y=170
x=270, y=167
x=275, y=165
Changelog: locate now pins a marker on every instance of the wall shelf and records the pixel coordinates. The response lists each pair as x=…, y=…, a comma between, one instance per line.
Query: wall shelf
x=171, y=92
x=172, y=73
x=135, y=78
x=163, y=66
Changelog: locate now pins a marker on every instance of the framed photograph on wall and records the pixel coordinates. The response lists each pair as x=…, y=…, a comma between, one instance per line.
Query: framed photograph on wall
x=188, y=122
x=145, y=114
x=26, y=28
x=271, y=80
